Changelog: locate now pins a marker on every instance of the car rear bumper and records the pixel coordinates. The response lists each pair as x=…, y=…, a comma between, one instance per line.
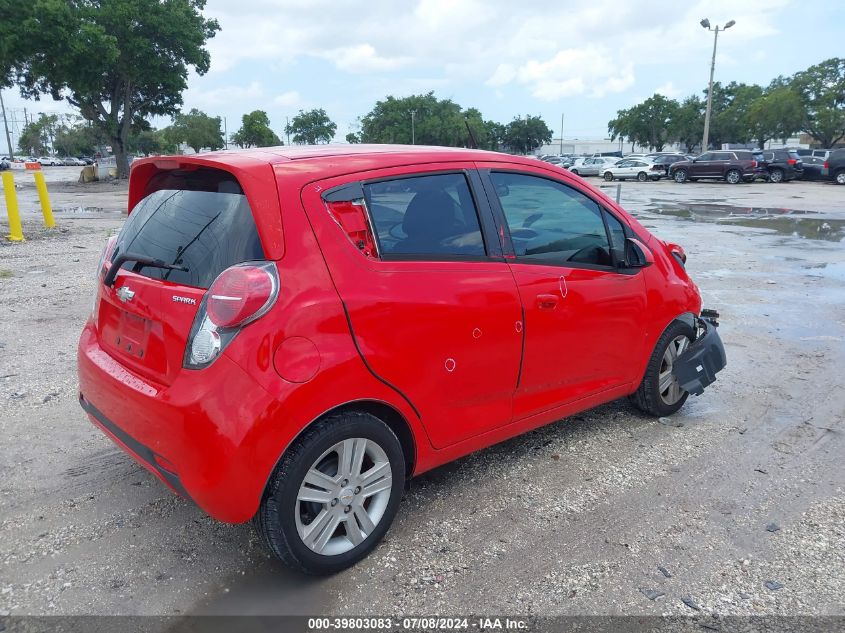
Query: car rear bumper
x=696, y=368
x=196, y=435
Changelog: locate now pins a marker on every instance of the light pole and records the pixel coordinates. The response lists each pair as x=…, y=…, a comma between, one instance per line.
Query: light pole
x=413, y=132
x=705, y=23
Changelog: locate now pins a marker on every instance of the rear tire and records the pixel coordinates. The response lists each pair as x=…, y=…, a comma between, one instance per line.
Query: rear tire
x=664, y=399
x=733, y=177
x=340, y=499
x=776, y=175
x=839, y=178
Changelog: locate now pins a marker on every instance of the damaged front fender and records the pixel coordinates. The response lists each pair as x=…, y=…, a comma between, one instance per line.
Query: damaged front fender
x=697, y=366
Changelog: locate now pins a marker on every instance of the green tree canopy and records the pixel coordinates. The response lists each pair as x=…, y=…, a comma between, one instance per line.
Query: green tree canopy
x=523, y=136
x=648, y=124
x=79, y=138
x=255, y=131
x=435, y=122
x=729, y=118
x=778, y=114
x=687, y=126
x=197, y=130
x=37, y=137
x=311, y=127
x=822, y=89
x=117, y=61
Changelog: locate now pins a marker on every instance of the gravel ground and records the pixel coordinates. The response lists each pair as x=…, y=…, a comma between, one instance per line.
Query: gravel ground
x=735, y=506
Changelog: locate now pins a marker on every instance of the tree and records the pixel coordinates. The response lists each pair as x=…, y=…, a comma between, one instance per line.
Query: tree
x=311, y=127
x=37, y=137
x=729, y=116
x=778, y=114
x=434, y=121
x=353, y=138
x=197, y=130
x=255, y=131
x=78, y=139
x=526, y=135
x=117, y=61
x=649, y=124
x=822, y=89
x=688, y=123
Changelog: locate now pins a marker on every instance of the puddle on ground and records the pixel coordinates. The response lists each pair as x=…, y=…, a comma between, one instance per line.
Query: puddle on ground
x=783, y=221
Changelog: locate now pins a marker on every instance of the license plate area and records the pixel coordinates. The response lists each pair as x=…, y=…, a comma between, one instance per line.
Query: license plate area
x=132, y=335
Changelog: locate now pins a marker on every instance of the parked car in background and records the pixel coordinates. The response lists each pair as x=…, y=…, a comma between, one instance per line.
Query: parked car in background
x=298, y=378
x=813, y=166
x=86, y=160
x=662, y=162
x=732, y=166
x=834, y=167
x=49, y=161
x=782, y=165
x=72, y=161
x=5, y=164
x=630, y=168
x=593, y=166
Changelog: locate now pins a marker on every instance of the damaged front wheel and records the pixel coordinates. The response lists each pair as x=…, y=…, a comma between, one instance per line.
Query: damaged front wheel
x=660, y=393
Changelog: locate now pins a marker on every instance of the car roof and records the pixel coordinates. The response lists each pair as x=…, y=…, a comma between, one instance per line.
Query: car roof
x=328, y=158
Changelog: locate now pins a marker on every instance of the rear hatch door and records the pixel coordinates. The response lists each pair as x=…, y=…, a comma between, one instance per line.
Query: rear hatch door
x=144, y=319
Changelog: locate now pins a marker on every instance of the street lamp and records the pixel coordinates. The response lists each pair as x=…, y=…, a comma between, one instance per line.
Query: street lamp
x=413, y=134
x=705, y=23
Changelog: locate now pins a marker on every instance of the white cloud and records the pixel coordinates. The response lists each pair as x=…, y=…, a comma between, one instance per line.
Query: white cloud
x=669, y=90
x=362, y=58
x=288, y=99
x=224, y=95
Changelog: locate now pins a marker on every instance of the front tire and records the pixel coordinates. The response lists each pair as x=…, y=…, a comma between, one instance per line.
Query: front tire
x=608, y=176
x=681, y=176
x=659, y=393
x=334, y=494
x=573, y=171
x=642, y=176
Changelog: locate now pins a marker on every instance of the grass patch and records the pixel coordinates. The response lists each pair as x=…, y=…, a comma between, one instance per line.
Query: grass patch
x=5, y=274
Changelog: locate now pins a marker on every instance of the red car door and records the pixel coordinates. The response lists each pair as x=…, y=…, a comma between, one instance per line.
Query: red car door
x=431, y=303
x=584, y=317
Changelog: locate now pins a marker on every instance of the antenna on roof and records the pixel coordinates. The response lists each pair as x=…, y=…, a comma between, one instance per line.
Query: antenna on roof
x=472, y=142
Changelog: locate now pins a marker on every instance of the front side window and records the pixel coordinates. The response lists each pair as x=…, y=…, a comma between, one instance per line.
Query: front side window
x=706, y=157
x=550, y=222
x=425, y=217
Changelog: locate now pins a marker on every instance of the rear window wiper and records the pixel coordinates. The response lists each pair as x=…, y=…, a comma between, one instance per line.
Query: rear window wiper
x=141, y=261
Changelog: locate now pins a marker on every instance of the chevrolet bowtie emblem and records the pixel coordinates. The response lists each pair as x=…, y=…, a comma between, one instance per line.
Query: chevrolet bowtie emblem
x=125, y=294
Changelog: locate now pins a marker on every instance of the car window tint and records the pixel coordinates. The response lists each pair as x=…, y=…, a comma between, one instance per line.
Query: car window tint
x=203, y=231
x=550, y=222
x=428, y=216
x=617, y=233
x=706, y=157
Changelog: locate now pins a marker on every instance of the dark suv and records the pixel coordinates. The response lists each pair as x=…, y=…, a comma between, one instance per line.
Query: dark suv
x=834, y=166
x=782, y=165
x=732, y=166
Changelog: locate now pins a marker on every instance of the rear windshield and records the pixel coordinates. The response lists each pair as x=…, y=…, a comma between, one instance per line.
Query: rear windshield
x=204, y=231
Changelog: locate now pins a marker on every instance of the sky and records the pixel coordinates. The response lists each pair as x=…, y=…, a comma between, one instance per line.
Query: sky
x=583, y=60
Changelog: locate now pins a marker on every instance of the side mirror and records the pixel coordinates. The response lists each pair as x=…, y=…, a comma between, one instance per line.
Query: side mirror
x=636, y=254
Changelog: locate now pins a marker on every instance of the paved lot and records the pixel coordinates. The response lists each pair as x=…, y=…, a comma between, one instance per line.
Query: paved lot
x=746, y=485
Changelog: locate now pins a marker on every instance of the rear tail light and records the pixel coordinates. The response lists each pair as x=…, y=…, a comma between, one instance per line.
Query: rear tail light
x=102, y=268
x=791, y=161
x=753, y=164
x=826, y=165
x=240, y=295
x=351, y=215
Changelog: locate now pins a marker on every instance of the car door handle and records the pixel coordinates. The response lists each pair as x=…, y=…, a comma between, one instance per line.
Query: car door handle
x=547, y=302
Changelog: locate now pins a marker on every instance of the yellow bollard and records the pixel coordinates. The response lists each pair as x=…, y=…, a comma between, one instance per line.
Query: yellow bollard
x=15, y=230
x=46, y=209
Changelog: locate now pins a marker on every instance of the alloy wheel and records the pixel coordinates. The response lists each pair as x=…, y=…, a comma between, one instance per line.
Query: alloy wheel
x=343, y=496
x=670, y=389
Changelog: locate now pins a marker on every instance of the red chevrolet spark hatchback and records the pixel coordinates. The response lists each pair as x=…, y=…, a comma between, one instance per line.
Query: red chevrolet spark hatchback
x=288, y=335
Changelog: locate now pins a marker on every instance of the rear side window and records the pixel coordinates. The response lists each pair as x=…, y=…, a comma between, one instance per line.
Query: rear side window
x=203, y=231
x=425, y=217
